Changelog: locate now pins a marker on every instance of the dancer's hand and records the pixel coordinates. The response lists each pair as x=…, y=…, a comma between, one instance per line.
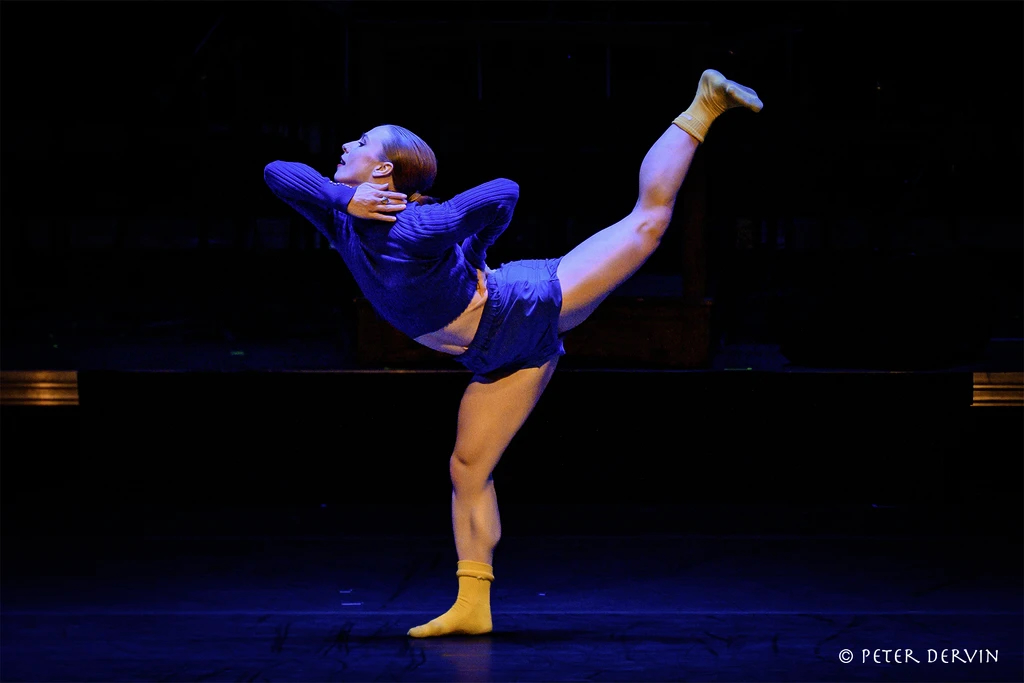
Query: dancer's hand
x=367, y=202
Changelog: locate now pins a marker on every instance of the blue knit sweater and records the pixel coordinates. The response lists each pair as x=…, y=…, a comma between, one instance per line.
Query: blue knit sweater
x=419, y=273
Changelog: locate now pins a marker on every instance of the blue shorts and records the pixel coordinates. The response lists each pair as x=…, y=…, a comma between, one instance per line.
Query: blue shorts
x=519, y=325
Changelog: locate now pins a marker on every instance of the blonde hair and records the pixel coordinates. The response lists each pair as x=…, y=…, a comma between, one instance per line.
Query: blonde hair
x=415, y=165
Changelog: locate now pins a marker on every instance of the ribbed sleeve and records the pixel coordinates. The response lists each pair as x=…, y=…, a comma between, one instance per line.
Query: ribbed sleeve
x=483, y=211
x=290, y=180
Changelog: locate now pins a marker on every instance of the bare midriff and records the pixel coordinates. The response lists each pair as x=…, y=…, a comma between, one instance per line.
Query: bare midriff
x=455, y=337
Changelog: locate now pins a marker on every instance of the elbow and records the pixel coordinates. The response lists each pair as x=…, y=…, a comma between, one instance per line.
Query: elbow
x=511, y=189
x=272, y=175
x=651, y=226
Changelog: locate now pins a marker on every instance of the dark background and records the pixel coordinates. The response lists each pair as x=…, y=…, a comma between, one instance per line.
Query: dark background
x=877, y=193
x=870, y=217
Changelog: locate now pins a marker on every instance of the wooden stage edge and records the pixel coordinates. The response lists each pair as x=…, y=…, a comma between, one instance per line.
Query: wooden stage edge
x=60, y=387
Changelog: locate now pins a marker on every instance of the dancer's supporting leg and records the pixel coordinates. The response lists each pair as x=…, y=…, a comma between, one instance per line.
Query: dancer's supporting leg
x=489, y=416
x=595, y=268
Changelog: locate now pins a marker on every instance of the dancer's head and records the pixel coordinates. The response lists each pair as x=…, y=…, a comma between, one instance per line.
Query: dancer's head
x=389, y=154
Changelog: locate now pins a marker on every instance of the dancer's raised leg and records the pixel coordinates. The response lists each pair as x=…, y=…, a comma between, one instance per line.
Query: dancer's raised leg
x=595, y=268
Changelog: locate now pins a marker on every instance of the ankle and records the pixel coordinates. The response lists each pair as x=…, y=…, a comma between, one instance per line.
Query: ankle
x=476, y=570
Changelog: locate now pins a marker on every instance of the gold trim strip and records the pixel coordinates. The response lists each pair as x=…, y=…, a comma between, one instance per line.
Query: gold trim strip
x=60, y=387
x=998, y=389
x=39, y=388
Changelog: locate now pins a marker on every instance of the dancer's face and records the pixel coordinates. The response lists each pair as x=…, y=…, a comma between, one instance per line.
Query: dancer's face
x=363, y=160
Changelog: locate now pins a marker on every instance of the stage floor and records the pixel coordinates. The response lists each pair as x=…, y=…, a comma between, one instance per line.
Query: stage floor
x=733, y=526
x=565, y=608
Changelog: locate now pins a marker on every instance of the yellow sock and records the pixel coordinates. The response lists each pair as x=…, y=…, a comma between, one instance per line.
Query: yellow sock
x=715, y=94
x=471, y=613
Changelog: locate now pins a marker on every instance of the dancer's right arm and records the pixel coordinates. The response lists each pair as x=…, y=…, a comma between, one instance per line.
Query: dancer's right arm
x=317, y=197
x=308, y=192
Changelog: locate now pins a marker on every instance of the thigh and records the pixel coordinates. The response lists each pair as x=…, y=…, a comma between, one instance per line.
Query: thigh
x=491, y=413
x=602, y=262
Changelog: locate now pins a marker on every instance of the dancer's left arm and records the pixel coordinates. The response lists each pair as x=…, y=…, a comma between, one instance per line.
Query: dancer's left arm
x=473, y=219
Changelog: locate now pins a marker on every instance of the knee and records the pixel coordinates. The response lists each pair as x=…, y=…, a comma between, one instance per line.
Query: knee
x=465, y=475
x=651, y=223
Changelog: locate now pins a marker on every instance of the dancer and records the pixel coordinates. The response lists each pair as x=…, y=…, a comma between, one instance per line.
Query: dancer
x=425, y=271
